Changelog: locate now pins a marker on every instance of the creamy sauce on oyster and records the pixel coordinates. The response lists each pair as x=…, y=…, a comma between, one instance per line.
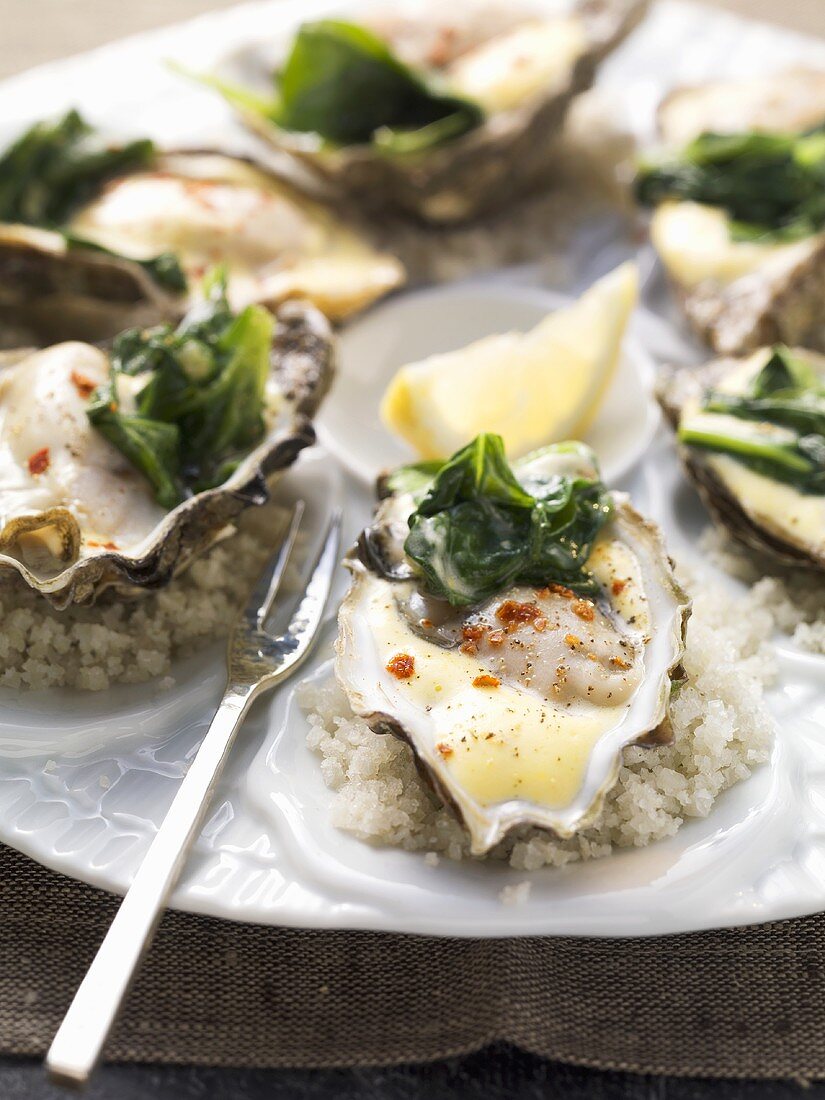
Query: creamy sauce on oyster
x=526, y=61
x=792, y=100
x=52, y=458
x=695, y=246
x=497, y=55
x=208, y=209
x=506, y=741
x=200, y=220
x=775, y=506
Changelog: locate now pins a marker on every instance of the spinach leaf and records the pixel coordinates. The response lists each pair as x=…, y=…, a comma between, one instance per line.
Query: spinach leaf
x=785, y=392
x=476, y=530
x=799, y=462
x=786, y=395
x=164, y=268
x=55, y=167
x=150, y=445
x=783, y=371
x=769, y=184
x=345, y=84
x=203, y=397
x=413, y=479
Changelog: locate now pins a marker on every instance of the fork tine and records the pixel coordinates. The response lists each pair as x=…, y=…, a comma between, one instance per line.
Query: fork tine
x=304, y=625
x=266, y=588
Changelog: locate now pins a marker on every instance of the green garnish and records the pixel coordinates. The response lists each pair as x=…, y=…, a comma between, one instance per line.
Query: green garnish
x=56, y=167
x=164, y=268
x=342, y=82
x=201, y=408
x=480, y=525
x=769, y=184
x=783, y=423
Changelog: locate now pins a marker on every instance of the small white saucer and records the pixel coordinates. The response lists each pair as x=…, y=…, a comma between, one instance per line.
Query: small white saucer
x=414, y=326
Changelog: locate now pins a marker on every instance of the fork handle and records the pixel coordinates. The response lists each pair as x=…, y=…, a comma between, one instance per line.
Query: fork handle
x=85, y=1027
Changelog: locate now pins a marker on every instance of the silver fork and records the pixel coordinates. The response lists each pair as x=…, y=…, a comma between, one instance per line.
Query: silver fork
x=258, y=661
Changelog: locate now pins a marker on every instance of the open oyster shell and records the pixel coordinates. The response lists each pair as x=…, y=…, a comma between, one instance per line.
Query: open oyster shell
x=517, y=710
x=759, y=513
x=92, y=523
x=741, y=295
x=511, y=151
x=206, y=208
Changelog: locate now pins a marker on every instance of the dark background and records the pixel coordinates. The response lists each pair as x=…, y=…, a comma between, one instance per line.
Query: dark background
x=498, y=1073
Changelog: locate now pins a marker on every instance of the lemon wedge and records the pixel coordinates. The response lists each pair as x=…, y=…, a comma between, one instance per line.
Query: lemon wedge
x=532, y=388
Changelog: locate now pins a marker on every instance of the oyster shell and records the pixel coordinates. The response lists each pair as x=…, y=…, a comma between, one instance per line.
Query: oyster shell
x=85, y=520
x=741, y=295
x=205, y=208
x=517, y=709
x=759, y=512
x=477, y=51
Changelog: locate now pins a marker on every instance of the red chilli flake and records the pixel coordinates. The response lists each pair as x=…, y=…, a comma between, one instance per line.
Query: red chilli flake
x=472, y=633
x=486, y=681
x=585, y=610
x=39, y=462
x=402, y=666
x=103, y=545
x=444, y=749
x=84, y=386
x=557, y=590
x=513, y=614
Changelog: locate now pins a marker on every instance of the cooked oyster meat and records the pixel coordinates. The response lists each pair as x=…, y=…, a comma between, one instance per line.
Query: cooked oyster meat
x=564, y=647
x=54, y=463
x=752, y=439
x=444, y=114
x=208, y=209
x=738, y=212
x=517, y=704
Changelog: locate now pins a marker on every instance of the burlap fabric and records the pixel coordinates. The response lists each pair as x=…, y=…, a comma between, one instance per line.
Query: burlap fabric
x=745, y=1002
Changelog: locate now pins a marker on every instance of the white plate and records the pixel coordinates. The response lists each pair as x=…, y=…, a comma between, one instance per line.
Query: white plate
x=411, y=327
x=85, y=779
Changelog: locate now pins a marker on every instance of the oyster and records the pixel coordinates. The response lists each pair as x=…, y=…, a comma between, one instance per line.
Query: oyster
x=752, y=440
x=743, y=287
x=79, y=504
x=518, y=700
x=100, y=269
x=489, y=85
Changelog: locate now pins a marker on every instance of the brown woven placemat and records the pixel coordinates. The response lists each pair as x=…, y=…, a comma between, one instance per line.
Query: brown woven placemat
x=743, y=1002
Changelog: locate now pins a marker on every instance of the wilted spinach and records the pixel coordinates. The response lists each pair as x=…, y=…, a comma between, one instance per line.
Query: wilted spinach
x=769, y=184
x=476, y=529
x=786, y=394
x=55, y=167
x=344, y=83
x=201, y=408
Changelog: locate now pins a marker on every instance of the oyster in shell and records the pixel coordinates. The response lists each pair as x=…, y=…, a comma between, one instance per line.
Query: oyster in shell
x=88, y=279
x=740, y=292
x=78, y=517
x=517, y=707
x=511, y=71
x=746, y=448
